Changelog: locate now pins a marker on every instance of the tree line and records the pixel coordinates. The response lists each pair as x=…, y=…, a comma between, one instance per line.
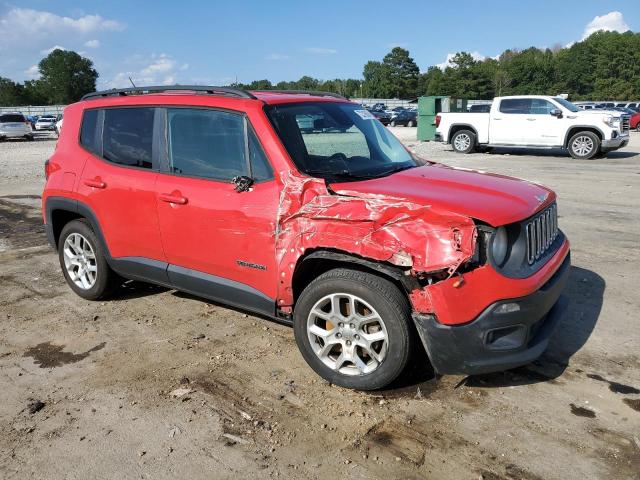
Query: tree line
x=604, y=66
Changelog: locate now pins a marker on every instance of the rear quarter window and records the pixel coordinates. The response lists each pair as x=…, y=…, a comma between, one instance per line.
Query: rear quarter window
x=89, y=134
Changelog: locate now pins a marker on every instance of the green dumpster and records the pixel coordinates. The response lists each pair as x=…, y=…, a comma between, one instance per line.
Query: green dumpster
x=429, y=107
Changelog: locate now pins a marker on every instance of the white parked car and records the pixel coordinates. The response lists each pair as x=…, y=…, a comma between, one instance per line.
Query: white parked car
x=59, y=124
x=532, y=121
x=46, y=122
x=15, y=125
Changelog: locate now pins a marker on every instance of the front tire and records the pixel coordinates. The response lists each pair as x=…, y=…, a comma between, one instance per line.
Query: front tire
x=83, y=262
x=353, y=329
x=584, y=145
x=463, y=141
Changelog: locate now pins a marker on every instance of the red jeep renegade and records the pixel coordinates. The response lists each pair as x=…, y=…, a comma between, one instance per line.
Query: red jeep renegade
x=302, y=207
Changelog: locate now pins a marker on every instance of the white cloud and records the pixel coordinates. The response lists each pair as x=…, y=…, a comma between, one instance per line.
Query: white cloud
x=47, y=51
x=447, y=63
x=92, y=43
x=322, y=51
x=33, y=72
x=276, y=57
x=40, y=24
x=160, y=69
x=160, y=64
x=611, y=22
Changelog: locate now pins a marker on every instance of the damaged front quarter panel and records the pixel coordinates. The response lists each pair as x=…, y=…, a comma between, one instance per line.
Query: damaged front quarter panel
x=415, y=237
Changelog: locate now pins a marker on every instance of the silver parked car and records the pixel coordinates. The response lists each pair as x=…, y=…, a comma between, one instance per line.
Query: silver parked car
x=15, y=125
x=46, y=122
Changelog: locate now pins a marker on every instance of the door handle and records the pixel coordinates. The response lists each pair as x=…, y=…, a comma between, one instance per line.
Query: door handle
x=531, y=119
x=95, y=182
x=496, y=118
x=174, y=197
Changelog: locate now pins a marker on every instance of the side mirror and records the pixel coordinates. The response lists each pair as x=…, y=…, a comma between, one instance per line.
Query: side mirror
x=242, y=183
x=556, y=112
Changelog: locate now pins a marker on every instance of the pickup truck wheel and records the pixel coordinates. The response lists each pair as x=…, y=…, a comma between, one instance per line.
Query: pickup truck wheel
x=584, y=145
x=411, y=123
x=352, y=328
x=392, y=123
x=83, y=262
x=463, y=141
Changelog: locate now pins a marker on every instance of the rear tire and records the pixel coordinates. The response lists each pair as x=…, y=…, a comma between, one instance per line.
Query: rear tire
x=83, y=262
x=584, y=145
x=411, y=123
x=463, y=141
x=336, y=340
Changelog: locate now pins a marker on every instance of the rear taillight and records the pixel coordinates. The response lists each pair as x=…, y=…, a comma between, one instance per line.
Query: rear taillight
x=438, y=118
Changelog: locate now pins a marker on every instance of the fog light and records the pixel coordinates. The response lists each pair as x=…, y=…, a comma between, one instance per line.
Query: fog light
x=507, y=308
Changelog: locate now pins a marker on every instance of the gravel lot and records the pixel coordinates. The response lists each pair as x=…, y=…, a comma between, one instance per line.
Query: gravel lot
x=86, y=388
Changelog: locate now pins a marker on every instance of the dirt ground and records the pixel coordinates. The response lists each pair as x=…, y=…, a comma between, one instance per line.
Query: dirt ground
x=158, y=384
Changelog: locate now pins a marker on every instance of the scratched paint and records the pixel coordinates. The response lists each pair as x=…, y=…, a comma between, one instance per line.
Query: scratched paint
x=380, y=227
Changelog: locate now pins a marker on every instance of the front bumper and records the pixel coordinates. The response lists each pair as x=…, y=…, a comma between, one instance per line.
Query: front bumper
x=496, y=341
x=613, y=143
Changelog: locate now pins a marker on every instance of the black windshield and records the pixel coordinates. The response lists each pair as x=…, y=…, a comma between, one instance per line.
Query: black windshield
x=338, y=141
x=9, y=118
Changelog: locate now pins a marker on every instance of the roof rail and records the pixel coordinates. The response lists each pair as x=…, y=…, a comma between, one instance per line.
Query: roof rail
x=229, y=91
x=315, y=93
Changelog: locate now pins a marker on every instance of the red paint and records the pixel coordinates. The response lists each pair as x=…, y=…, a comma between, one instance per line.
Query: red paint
x=492, y=198
x=420, y=219
x=634, y=121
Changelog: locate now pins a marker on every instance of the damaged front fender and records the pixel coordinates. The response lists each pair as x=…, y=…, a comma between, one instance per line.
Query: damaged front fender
x=384, y=228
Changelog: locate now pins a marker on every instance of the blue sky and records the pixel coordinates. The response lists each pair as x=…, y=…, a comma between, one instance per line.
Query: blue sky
x=216, y=42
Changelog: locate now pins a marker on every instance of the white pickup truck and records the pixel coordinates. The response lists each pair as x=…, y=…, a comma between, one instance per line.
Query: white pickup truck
x=532, y=121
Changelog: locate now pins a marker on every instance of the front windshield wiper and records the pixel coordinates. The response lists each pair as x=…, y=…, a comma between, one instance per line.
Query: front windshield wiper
x=391, y=171
x=334, y=173
x=359, y=176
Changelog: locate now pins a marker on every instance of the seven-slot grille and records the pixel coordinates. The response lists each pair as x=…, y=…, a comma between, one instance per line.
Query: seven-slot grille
x=624, y=123
x=541, y=232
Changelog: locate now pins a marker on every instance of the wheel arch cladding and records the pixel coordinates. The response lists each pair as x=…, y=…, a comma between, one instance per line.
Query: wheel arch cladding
x=60, y=211
x=455, y=128
x=316, y=262
x=582, y=128
x=378, y=228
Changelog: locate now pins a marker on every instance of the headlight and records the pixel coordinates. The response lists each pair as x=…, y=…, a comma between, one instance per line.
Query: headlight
x=499, y=246
x=610, y=120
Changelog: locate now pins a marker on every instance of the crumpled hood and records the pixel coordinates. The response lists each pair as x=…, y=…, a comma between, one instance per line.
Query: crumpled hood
x=491, y=198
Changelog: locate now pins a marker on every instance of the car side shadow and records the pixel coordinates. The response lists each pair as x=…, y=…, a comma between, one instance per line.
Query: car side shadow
x=585, y=290
x=554, y=152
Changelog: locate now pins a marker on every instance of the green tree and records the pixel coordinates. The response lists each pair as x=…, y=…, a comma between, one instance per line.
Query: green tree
x=66, y=76
x=10, y=93
x=376, y=80
x=401, y=73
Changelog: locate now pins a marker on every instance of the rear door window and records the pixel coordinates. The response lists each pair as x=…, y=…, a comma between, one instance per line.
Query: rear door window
x=515, y=105
x=128, y=136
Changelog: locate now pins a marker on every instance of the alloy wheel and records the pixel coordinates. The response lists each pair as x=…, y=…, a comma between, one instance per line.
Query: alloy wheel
x=582, y=145
x=347, y=334
x=462, y=142
x=80, y=261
